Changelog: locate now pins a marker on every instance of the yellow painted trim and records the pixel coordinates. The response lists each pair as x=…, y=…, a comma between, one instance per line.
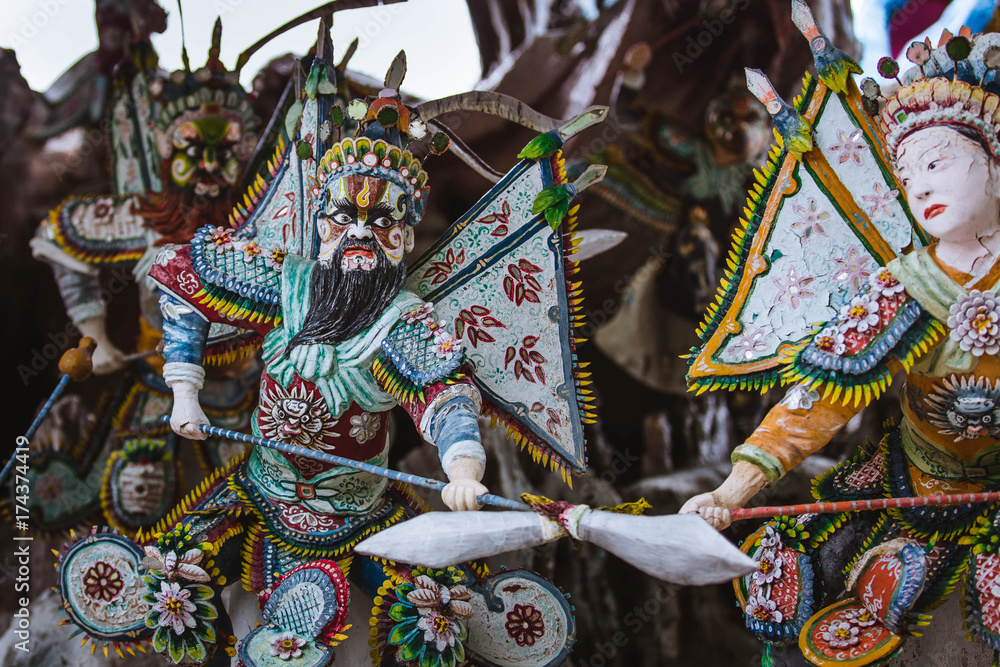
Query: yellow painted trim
x=886, y=650
x=703, y=366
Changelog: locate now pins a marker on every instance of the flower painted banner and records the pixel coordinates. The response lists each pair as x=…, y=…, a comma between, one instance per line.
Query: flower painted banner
x=499, y=276
x=815, y=231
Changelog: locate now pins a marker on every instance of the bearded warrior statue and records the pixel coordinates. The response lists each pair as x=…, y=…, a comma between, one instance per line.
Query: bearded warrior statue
x=179, y=146
x=312, y=267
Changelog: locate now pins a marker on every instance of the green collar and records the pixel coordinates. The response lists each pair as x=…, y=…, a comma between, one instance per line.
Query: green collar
x=936, y=292
x=342, y=372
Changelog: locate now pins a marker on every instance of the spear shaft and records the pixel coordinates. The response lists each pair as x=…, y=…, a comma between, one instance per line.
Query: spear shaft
x=863, y=505
x=697, y=553
x=34, y=426
x=296, y=450
x=76, y=364
x=739, y=514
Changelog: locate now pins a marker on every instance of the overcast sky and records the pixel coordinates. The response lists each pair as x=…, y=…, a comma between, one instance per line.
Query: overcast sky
x=50, y=35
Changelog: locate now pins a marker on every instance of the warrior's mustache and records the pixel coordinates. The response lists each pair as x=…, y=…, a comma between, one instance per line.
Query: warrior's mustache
x=358, y=255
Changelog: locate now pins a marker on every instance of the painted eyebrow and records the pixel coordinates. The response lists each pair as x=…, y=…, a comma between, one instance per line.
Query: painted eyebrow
x=382, y=210
x=342, y=204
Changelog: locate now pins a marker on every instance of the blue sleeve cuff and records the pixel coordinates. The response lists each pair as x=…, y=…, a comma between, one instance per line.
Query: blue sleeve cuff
x=455, y=430
x=184, y=331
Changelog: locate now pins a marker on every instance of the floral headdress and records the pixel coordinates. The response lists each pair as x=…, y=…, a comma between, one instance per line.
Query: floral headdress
x=384, y=158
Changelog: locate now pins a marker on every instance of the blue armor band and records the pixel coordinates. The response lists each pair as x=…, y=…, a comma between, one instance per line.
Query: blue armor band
x=81, y=293
x=768, y=464
x=184, y=331
x=455, y=429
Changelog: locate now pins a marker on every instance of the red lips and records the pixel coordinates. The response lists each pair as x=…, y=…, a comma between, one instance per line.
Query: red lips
x=934, y=210
x=358, y=251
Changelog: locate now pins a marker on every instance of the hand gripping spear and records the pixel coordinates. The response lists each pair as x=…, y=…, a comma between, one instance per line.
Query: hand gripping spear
x=680, y=549
x=76, y=365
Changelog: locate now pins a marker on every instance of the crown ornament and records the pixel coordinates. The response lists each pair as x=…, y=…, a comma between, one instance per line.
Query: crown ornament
x=955, y=85
x=211, y=90
x=379, y=148
x=378, y=158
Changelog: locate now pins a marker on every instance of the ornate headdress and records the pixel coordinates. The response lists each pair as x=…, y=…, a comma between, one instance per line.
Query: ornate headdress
x=380, y=149
x=211, y=90
x=385, y=127
x=376, y=157
x=956, y=85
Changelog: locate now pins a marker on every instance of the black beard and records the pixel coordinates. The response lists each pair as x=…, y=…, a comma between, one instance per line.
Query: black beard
x=342, y=304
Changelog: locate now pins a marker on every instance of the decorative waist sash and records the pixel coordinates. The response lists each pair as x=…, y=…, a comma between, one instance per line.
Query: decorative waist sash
x=932, y=459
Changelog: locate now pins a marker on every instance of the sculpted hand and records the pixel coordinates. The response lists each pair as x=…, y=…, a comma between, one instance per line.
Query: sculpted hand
x=460, y=494
x=107, y=357
x=705, y=505
x=187, y=414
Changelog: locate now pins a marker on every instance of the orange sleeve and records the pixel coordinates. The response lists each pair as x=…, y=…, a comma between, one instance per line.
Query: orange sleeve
x=787, y=435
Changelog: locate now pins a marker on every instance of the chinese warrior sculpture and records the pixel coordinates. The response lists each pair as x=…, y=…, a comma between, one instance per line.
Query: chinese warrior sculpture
x=314, y=264
x=879, y=215
x=179, y=147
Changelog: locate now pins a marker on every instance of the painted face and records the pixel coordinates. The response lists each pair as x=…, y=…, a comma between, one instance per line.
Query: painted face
x=203, y=157
x=364, y=208
x=736, y=123
x=951, y=184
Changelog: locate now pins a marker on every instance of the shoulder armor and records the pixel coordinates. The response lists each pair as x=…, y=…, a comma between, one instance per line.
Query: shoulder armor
x=172, y=270
x=853, y=349
x=241, y=266
x=417, y=352
x=239, y=275
x=420, y=349
x=99, y=230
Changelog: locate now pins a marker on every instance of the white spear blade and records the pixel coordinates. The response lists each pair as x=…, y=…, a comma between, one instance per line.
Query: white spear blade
x=440, y=539
x=595, y=241
x=681, y=549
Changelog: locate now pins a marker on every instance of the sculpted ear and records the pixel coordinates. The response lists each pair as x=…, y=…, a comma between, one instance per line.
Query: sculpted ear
x=323, y=228
x=407, y=238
